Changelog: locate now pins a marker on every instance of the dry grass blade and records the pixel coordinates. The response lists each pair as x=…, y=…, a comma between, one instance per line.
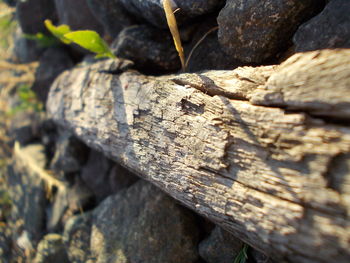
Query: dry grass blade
x=171, y=20
x=23, y=67
x=16, y=80
x=198, y=43
x=45, y=175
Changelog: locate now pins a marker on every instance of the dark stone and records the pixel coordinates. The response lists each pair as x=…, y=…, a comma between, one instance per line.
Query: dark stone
x=25, y=127
x=259, y=257
x=111, y=15
x=329, y=29
x=151, y=49
x=52, y=63
x=153, y=12
x=70, y=154
x=10, y=2
x=31, y=14
x=120, y=178
x=51, y=250
x=142, y=224
x=104, y=177
x=27, y=191
x=25, y=50
x=76, y=237
x=5, y=244
x=48, y=136
x=95, y=174
x=255, y=30
x=208, y=55
x=77, y=15
x=220, y=247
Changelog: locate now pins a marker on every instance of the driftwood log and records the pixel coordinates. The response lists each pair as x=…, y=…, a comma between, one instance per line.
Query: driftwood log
x=263, y=152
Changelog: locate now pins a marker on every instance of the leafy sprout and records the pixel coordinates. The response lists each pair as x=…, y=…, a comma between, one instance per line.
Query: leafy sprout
x=87, y=39
x=58, y=31
x=91, y=41
x=43, y=40
x=242, y=255
x=28, y=101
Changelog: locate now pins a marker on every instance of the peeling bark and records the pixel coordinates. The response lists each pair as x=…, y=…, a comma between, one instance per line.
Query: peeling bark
x=225, y=144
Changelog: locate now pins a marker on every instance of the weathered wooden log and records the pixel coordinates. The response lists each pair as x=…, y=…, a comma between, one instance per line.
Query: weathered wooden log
x=238, y=147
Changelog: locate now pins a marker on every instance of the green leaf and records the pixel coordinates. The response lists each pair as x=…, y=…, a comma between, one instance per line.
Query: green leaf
x=87, y=39
x=58, y=31
x=91, y=41
x=242, y=255
x=43, y=40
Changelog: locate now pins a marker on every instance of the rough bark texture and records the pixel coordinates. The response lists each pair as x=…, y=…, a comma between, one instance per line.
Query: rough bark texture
x=220, y=143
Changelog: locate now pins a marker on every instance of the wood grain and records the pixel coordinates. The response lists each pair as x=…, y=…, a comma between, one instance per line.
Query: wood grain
x=227, y=145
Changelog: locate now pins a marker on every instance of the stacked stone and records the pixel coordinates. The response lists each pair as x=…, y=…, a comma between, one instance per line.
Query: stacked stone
x=124, y=226
x=249, y=32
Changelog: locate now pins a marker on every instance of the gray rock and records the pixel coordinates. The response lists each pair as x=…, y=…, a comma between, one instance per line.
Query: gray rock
x=152, y=10
x=255, y=30
x=51, y=250
x=111, y=15
x=329, y=29
x=77, y=15
x=141, y=224
x=151, y=49
x=31, y=14
x=95, y=174
x=220, y=247
x=27, y=191
x=76, y=237
x=70, y=154
x=52, y=63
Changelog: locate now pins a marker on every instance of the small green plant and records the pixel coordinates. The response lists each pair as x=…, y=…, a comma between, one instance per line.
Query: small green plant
x=7, y=27
x=242, y=255
x=42, y=40
x=58, y=31
x=5, y=204
x=28, y=100
x=87, y=39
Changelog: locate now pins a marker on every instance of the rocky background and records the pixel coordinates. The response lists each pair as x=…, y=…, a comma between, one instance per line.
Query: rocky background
x=68, y=203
